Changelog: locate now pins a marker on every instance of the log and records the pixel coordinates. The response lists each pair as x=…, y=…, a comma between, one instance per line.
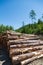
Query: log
x=29, y=35
x=13, y=33
x=4, y=36
x=22, y=34
x=27, y=55
x=30, y=56
x=24, y=46
x=12, y=37
x=16, y=38
x=18, y=45
x=27, y=61
x=22, y=57
x=24, y=41
x=19, y=51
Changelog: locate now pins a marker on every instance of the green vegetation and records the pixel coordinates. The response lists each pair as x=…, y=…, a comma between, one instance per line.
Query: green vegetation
x=5, y=28
x=36, y=28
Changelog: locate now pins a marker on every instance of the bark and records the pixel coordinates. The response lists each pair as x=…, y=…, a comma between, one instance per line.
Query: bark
x=25, y=46
x=22, y=57
x=26, y=58
x=19, y=51
x=25, y=62
x=12, y=37
x=18, y=44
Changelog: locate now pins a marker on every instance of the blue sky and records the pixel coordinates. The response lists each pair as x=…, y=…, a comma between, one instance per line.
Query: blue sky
x=14, y=12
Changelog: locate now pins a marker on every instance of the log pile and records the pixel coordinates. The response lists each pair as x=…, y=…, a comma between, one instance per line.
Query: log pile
x=1, y=42
x=22, y=48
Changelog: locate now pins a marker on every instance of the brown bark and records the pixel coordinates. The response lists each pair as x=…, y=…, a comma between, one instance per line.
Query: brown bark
x=22, y=57
x=19, y=45
x=27, y=61
x=25, y=46
x=19, y=51
x=26, y=58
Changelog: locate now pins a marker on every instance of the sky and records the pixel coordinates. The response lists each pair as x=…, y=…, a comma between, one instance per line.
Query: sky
x=14, y=12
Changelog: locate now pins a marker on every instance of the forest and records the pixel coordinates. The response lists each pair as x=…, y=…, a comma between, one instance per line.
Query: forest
x=4, y=28
x=36, y=28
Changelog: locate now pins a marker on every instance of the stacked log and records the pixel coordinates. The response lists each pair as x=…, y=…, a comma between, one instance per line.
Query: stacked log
x=1, y=41
x=22, y=48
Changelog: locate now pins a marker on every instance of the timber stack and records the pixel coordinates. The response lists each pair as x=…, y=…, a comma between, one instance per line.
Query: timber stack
x=1, y=41
x=22, y=48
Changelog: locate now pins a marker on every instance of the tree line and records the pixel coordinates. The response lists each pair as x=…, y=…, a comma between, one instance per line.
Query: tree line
x=4, y=28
